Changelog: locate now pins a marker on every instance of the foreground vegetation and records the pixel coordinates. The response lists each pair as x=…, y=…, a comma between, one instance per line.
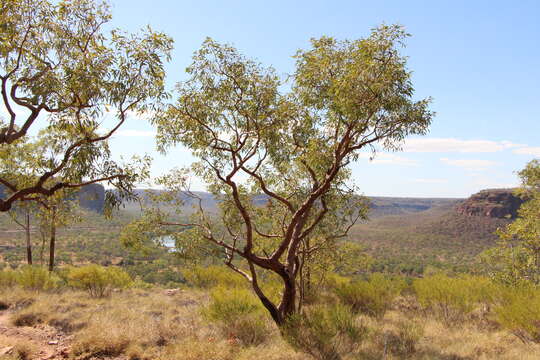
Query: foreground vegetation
x=216, y=316
x=274, y=151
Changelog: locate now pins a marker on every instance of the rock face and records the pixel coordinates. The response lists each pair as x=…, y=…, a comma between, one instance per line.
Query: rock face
x=494, y=203
x=92, y=197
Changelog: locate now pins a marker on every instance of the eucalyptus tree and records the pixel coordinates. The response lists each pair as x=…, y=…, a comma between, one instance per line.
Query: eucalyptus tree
x=27, y=158
x=516, y=259
x=56, y=211
x=23, y=162
x=21, y=214
x=63, y=73
x=277, y=153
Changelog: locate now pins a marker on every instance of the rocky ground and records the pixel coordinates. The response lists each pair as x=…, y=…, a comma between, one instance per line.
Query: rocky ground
x=47, y=342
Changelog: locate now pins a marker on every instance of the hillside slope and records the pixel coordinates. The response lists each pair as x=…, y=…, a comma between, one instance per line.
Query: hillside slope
x=379, y=205
x=403, y=234
x=439, y=236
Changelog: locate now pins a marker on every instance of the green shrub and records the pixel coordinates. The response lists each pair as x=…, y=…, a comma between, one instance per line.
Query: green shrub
x=212, y=276
x=372, y=297
x=98, y=280
x=238, y=313
x=452, y=298
x=324, y=332
x=334, y=280
x=519, y=312
x=250, y=330
x=139, y=283
x=227, y=303
x=403, y=341
x=8, y=278
x=36, y=278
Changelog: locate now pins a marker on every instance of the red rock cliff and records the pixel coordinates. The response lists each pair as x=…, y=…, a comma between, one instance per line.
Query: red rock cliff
x=495, y=203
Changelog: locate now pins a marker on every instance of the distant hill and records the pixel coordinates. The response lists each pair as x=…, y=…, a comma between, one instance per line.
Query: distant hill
x=494, y=203
x=403, y=234
x=379, y=205
x=407, y=234
x=90, y=196
x=384, y=206
x=450, y=233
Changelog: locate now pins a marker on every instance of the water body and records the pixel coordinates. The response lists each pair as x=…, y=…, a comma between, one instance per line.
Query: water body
x=167, y=241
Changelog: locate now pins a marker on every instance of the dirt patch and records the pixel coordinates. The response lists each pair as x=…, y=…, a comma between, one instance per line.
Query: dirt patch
x=48, y=343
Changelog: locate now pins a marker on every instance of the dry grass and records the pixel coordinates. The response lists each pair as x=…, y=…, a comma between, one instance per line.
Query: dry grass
x=440, y=342
x=22, y=350
x=148, y=324
x=138, y=324
x=66, y=312
x=468, y=342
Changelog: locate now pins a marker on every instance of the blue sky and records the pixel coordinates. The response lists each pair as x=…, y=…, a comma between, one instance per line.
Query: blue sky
x=479, y=60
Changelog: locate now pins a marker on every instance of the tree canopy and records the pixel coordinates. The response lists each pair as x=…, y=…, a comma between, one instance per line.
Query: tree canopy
x=276, y=152
x=63, y=75
x=516, y=259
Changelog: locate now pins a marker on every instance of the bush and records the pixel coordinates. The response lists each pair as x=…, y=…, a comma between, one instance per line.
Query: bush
x=20, y=349
x=519, y=312
x=452, y=298
x=36, y=278
x=403, y=341
x=26, y=318
x=239, y=315
x=7, y=278
x=334, y=280
x=139, y=283
x=372, y=297
x=212, y=276
x=97, y=280
x=324, y=332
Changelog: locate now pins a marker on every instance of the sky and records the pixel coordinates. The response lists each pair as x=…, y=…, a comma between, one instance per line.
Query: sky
x=479, y=60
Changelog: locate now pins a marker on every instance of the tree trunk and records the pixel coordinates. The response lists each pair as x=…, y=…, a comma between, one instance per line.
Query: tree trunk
x=42, y=250
x=28, y=242
x=287, y=307
x=52, y=239
x=301, y=289
x=307, y=262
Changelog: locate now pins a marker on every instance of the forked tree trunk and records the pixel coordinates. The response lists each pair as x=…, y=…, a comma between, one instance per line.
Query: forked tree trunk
x=287, y=306
x=42, y=250
x=52, y=239
x=28, y=241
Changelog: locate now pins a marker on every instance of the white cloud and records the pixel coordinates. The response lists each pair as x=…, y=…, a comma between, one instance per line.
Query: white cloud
x=430, y=181
x=469, y=164
x=388, y=158
x=489, y=183
x=456, y=145
x=135, y=133
x=528, y=150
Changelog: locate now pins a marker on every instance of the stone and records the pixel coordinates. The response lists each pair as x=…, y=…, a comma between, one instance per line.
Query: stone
x=172, y=292
x=494, y=203
x=6, y=350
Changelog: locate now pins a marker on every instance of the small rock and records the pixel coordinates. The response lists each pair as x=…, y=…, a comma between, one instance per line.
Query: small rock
x=6, y=351
x=172, y=292
x=53, y=342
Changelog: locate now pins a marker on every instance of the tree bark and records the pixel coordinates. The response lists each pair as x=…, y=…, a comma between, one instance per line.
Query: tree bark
x=28, y=242
x=307, y=261
x=52, y=239
x=287, y=307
